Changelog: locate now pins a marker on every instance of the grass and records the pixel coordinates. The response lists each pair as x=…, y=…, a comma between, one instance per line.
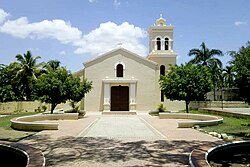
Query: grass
x=238, y=127
x=9, y=134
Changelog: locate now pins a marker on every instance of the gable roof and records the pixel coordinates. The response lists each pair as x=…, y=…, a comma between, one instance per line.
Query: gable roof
x=123, y=52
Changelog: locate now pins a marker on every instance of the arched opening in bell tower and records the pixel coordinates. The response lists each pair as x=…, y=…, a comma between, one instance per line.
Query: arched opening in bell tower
x=166, y=44
x=158, y=43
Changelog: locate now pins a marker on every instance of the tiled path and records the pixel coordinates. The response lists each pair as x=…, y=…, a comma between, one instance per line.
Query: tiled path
x=137, y=141
x=122, y=127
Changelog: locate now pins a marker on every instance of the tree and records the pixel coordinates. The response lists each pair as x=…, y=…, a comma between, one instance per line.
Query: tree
x=77, y=90
x=186, y=82
x=229, y=79
x=53, y=65
x=26, y=72
x=205, y=56
x=10, y=90
x=229, y=76
x=241, y=65
x=6, y=90
x=50, y=87
x=59, y=86
x=216, y=75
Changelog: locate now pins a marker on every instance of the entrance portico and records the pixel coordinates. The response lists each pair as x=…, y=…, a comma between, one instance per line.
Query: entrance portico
x=119, y=94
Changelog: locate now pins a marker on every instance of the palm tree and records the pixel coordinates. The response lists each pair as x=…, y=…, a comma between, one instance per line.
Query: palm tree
x=216, y=73
x=229, y=76
x=205, y=56
x=53, y=65
x=50, y=66
x=26, y=72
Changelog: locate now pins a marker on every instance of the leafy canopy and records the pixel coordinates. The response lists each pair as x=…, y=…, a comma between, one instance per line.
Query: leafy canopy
x=186, y=82
x=26, y=72
x=241, y=65
x=10, y=90
x=205, y=56
x=6, y=89
x=58, y=86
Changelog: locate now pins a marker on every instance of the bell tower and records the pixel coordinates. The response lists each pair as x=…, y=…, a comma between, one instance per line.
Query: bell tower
x=161, y=44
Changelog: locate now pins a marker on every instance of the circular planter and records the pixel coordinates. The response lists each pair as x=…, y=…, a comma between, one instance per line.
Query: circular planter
x=230, y=154
x=215, y=154
x=13, y=154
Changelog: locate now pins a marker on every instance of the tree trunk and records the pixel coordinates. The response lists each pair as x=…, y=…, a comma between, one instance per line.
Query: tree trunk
x=53, y=106
x=214, y=94
x=27, y=91
x=230, y=94
x=187, y=103
x=28, y=95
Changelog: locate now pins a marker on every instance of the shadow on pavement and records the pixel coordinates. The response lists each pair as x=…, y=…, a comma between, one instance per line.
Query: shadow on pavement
x=88, y=150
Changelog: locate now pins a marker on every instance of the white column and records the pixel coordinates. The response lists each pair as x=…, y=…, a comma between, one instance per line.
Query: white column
x=132, y=96
x=162, y=44
x=171, y=44
x=155, y=44
x=106, y=90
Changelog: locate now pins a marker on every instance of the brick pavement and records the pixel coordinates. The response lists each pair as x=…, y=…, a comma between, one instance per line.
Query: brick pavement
x=72, y=146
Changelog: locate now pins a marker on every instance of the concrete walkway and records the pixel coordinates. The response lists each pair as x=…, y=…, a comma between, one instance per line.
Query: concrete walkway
x=98, y=140
x=123, y=128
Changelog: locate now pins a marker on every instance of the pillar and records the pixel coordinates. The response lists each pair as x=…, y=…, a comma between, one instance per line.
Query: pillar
x=132, y=98
x=106, y=100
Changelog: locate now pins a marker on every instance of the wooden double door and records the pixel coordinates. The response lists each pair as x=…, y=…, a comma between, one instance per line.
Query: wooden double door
x=119, y=98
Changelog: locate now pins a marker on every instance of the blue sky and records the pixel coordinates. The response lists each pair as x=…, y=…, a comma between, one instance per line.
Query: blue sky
x=76, y=31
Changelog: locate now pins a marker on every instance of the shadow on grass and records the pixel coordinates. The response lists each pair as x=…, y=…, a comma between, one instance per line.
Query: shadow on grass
x=89, y=150
x=9, y=134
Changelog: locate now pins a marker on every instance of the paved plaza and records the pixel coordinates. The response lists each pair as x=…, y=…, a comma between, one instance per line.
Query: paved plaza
x=114, y=140
x=122, y=127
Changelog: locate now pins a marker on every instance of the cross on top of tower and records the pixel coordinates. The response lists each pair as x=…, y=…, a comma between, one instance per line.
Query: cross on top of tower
x=161, y=21
x=119, y=44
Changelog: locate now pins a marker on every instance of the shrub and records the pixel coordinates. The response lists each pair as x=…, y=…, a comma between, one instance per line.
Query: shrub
x=44, y=108
x=161, y=108
x=38, y=109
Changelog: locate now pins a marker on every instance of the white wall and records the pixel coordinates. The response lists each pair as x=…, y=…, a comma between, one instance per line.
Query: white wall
x=147, y=95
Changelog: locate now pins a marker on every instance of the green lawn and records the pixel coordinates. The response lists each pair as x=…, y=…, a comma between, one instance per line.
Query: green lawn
x=9, y=134
x=238, y=127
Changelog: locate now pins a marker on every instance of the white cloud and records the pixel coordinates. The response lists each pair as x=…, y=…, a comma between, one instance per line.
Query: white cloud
x=117, y=3
x=98, y=41
x=3, y=15
x=91, y=1
x=109, y=35
x=240, y=23
x=55, y=29
x=62, y=52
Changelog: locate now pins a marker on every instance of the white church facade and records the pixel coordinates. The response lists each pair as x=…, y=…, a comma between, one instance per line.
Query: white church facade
x=125, y=81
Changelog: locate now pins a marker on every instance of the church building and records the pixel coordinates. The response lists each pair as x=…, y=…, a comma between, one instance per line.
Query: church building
x=125, y=81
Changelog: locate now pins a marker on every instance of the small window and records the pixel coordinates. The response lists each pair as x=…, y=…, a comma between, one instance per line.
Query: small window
x=162, y=70
x=119, y=70
x=166, y=44
x=158, y=43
